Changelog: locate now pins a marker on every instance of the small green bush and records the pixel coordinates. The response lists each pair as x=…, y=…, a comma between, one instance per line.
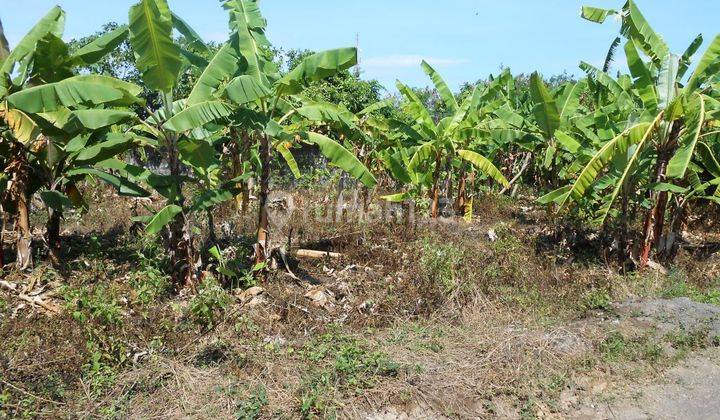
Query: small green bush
x=439, y=263
x=596, y=299
x=677, y=285
x=149, y=285
x=211, y=300
x=99, y=304
x=251, y=408
x=341, y=364
x=617, y=347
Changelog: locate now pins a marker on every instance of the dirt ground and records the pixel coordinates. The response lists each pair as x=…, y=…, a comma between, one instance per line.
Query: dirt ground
x=688, y=391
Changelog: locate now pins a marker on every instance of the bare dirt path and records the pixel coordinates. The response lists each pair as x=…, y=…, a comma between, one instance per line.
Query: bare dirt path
x=661, y=360
x=688, y=391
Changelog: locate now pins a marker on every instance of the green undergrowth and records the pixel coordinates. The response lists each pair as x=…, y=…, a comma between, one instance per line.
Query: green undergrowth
x=679, y=285
x=339, y=366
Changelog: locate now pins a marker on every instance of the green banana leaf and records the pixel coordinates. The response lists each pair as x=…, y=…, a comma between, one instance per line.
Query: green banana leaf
x=162, y=219
x=596, y=14
x=695, y=119
x=223, y=66
x=157, y=56
x=484, y=165
x=708, y=67
x=545, y=109
x=112, y=146
x=52, y=23
x=94, y=119
x=56, y=200
x=289, y=159
x=314, y=68
x=443, y=89
x=67, y=93
x=94, y=51
x=636, y=27
x=123, y=186
x=248, y=27
x=688, y=54
x=245, y=89
x=342, y=158
x=196, y=116
x=643, y=77
x=195, y=41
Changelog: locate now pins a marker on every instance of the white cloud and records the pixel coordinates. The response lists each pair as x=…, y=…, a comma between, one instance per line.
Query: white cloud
x=215, y=36
x=401, y=61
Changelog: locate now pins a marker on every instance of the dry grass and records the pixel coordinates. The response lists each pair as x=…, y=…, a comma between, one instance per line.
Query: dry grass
x=432, y=319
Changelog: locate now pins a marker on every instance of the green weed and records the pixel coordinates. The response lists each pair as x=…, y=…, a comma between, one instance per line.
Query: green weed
x=252, y=407
x=99, y=304
x=686, y=341
x=341, y=365
x=677, y=285
x=596, y=299
x=149, y=284
x=106, y=358
x=439, y=263
x=617, y=347
x=211, y=300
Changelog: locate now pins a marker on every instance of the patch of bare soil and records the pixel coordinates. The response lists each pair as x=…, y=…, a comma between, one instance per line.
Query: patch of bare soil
x=688, y=391
x=645, y=359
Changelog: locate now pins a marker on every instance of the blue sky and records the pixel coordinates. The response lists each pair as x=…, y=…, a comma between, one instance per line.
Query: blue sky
x=464, y=39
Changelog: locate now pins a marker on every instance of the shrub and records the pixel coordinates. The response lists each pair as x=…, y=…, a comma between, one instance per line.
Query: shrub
x=439, y=263
x=678, y=286
x=252, y=407
x=149, y=284
x=211, y=300
x=98, y=304
x=342, y=365
x=596, y=299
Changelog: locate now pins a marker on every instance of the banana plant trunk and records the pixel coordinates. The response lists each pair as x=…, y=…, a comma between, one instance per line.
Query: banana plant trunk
x=623, y=240
x=461, y=200
x=53, y=235
x=240, y=151
x=655, y=218
x=245, y=186
x=435, y=193
x=18, y=193
x=672, y=242
x=180, y=239
x=212, y=235
x=449, y=181
x=24, y=239
x=263, y=233
x=2, y=237
x=366, y=193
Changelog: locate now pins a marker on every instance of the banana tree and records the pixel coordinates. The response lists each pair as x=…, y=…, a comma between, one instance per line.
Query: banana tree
x=242, y=85
x=554, y=115
x=76, y=141
x=438, y=144
x=671, y=118
x=703, y=185
x=160, y=61
x=37, y=80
